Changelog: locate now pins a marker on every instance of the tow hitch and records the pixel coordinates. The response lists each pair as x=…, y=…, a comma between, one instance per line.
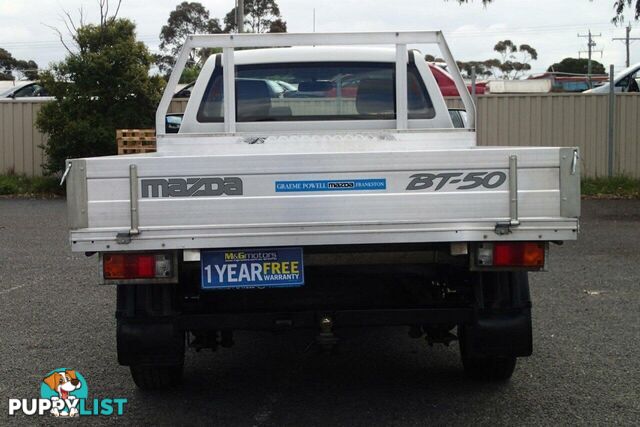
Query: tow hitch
x=326, y=338
x=433, y=335
x=211, y=339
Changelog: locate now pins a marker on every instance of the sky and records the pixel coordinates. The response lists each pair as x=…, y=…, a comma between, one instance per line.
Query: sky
x=550, y=26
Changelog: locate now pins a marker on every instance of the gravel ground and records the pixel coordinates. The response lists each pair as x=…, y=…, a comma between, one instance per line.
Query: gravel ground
x=585, y=368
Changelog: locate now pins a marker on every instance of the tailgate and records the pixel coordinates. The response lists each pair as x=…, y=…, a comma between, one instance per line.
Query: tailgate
x=223, y=201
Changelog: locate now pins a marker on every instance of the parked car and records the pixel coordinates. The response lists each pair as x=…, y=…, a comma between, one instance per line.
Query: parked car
x=276, y=89
x=570, y=83
x=172, y=122
x=184, y=91
x=446, y=83
x=5, y=85
x=319, y=89
x=458, y=117
x=287, y=86
x=25, y=90
x=627, y=80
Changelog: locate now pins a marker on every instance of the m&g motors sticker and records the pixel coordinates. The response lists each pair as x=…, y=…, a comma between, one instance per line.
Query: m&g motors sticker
x=252, y=268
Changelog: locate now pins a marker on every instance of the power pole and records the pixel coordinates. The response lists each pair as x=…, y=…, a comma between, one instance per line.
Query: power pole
x=591, y=44
x=240, y=15
x=627, y=41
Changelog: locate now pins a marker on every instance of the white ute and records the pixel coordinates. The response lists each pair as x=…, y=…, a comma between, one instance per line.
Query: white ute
x=321, y=184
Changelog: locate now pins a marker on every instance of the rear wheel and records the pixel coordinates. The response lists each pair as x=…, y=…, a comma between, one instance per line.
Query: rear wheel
x=492, y=368
x=150, y=377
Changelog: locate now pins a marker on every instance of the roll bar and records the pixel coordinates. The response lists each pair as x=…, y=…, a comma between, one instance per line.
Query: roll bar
x=229, y=42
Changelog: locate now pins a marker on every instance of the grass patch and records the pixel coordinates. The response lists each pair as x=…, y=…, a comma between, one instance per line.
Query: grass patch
x=617, y=187
x=20, y=185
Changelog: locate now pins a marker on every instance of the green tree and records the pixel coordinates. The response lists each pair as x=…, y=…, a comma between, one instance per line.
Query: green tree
x=511, y=65
x=187, y=18
x=492, y=64
x=482, y=70
x=506, y=48
x=22, y=68
x=27, y=69
x=619, y=7
x=515, y=60
x=430, y=58
x=278, y=26
x=7, y=62
x=577, y=66
x=261, y=16
x=190, y=74
x=102, y=85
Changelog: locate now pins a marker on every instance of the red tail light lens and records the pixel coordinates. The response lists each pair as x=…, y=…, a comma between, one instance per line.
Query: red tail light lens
x=145, y=266
x=135, y=266
x=518, y=254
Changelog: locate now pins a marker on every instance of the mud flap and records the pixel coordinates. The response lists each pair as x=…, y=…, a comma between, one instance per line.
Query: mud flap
x=150, y=343
x=147, y=332
x=500, y=335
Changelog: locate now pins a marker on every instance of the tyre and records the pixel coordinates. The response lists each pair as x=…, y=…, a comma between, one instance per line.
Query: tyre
x=495, y=369
x=153, y=377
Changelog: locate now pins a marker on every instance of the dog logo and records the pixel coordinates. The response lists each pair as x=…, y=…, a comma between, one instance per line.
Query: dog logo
x=64, y=393
x=64, y=387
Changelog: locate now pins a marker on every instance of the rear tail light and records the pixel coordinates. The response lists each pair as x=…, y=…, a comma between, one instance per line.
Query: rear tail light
x=125, y=266
x=529, y=255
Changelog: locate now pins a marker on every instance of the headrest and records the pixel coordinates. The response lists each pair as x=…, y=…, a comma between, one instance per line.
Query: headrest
x=253, y=99
x=375, y=96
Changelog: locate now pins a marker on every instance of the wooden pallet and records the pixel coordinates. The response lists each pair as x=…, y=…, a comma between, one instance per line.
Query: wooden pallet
x=136, y=141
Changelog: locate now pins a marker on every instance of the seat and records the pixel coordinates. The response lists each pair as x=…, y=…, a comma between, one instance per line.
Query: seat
x=283, y=111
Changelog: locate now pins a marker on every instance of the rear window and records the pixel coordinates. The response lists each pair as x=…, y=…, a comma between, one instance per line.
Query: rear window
x=315, y=91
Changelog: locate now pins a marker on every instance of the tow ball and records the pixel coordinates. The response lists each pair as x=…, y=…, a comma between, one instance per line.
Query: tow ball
x=211, y=339
x=326, y=338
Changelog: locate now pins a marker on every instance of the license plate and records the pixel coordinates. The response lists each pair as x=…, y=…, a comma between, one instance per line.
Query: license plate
x=252, y=268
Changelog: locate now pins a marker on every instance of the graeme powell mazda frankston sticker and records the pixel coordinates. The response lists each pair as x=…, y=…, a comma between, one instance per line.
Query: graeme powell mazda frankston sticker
x=252, y=268
x=332, y=185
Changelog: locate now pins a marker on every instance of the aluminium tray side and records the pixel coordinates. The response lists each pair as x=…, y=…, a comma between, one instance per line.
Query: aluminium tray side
x=382, y=208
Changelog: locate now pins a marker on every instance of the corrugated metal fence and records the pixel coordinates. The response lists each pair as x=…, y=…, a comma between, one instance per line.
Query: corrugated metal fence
x=20, y=141
x=525, y=120
x=178, y=105
x=564, y=120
